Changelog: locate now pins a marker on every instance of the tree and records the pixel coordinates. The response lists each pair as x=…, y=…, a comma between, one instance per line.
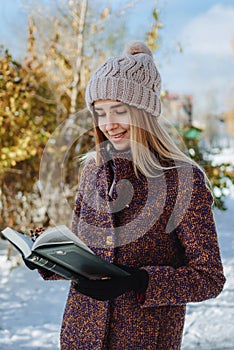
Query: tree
x=68, y=45
x=43, y=91
x=25, y=125
x=153, y=36
x=220, y=176
x=69, y=42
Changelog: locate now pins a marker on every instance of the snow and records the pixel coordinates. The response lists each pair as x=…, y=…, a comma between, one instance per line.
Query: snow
x=226, y=156
x=210, y=325
x=31, y=309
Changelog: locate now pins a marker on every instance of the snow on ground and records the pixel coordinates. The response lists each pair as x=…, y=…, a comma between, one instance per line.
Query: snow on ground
x=31, y=309
x=225, y=156
x=210, y=325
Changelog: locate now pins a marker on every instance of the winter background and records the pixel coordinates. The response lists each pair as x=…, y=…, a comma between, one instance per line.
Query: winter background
x=31, y=309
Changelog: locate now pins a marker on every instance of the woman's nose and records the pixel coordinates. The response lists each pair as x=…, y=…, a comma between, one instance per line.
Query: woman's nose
x=110, y=126
x=110, y=122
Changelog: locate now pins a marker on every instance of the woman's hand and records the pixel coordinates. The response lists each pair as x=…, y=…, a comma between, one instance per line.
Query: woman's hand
x=34, y=234
x=30, y=265
x=108, y=289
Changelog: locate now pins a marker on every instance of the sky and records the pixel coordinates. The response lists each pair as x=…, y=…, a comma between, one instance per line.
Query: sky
x=204, y=29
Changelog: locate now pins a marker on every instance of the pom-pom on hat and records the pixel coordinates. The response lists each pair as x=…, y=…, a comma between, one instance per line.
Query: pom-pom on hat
x=131, y=78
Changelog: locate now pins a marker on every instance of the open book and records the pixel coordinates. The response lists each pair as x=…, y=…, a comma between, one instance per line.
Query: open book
x=59, y=250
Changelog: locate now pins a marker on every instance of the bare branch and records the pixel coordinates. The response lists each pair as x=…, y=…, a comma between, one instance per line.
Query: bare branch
x=80, y=45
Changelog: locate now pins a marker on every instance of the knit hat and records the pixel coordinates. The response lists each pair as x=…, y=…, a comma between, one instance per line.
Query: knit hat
x=131, y=78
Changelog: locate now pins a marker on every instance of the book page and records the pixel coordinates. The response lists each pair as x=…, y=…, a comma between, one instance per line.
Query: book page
x=59, y=234
x=21, y=242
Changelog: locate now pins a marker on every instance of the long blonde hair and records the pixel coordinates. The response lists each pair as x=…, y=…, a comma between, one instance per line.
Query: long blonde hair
x=152, y=135
x=147, y=137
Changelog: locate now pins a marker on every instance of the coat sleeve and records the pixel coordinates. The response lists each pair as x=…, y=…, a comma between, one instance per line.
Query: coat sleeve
x=201, y=277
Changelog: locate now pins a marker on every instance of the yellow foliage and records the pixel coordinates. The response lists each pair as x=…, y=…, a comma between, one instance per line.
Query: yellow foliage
x=21, y=137
x=152, y=36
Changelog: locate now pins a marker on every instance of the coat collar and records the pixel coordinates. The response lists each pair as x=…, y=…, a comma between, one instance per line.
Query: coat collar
x=115, y=166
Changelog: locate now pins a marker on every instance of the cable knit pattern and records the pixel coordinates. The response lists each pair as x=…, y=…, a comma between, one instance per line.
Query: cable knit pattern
x=130, y=78
x=184, y=264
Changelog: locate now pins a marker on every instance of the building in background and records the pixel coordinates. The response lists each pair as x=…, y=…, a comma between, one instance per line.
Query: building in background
x=217, y=129
x=178, y=108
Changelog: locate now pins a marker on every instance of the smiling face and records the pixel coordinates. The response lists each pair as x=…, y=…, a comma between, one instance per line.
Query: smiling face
x=113, y=121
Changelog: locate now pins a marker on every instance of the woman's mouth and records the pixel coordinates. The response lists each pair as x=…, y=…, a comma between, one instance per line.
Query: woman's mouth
x=118, y=137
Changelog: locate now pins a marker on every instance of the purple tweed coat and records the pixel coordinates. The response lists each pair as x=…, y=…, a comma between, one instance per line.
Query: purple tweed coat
x=164, y=225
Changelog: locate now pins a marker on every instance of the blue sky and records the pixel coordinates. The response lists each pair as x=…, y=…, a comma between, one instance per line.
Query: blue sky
x=205, y=68
x=204, y=29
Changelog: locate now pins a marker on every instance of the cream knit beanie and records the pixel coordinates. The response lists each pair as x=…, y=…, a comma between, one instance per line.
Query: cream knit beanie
x=131, y=78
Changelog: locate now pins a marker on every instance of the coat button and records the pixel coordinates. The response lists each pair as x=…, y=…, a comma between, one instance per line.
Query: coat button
x=109, y=240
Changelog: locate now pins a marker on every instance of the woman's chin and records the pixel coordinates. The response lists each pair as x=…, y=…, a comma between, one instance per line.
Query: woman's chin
x=121, y=146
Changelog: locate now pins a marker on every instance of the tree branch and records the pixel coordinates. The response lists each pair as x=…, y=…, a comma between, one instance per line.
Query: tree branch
x=80, y=45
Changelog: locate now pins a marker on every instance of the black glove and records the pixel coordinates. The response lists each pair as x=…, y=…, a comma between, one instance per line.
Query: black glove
x=30, y=264
x=111, y=288
x=33, y=266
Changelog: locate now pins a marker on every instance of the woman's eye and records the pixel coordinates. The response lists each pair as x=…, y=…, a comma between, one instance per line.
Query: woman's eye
x=100, y=114
x=121, y=112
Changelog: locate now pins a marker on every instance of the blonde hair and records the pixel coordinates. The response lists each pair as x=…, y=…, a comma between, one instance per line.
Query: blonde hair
x=149, y=132
x=150, y=144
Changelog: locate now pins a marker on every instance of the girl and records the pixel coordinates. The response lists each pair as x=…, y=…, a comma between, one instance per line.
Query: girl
x=142, y=204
